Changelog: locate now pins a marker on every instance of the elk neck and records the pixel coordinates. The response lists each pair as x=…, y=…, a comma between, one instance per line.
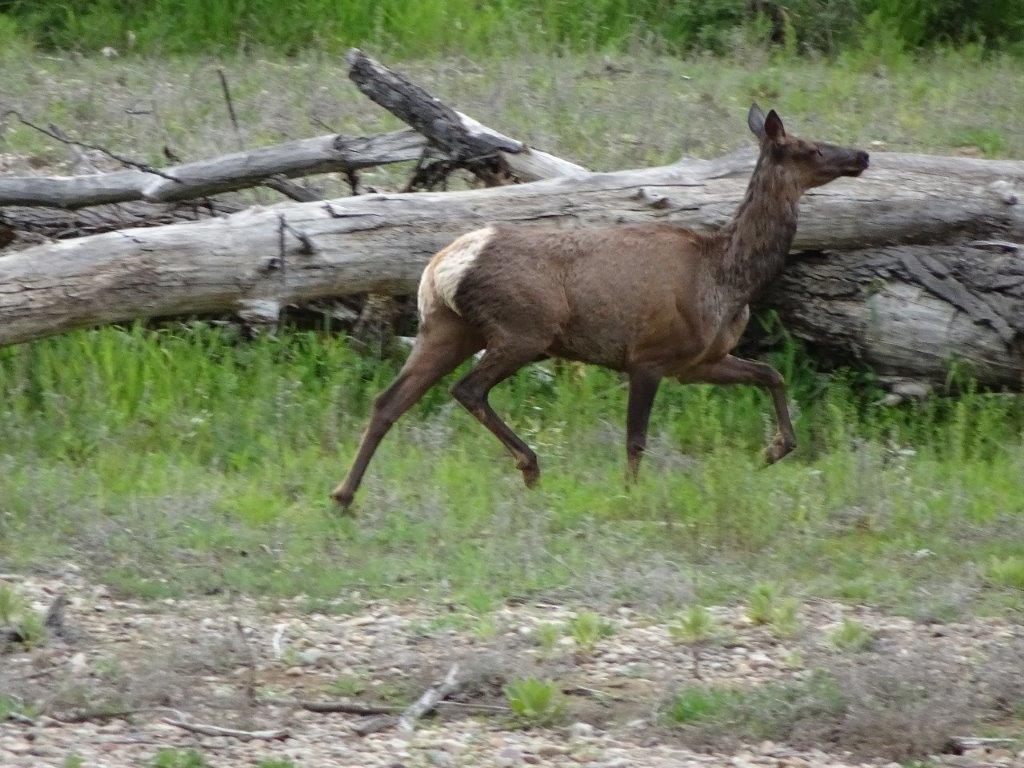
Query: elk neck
x=759, y=235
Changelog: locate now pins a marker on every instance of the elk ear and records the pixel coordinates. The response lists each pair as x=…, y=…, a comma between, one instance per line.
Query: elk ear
x=773, y=127
x=755, y=120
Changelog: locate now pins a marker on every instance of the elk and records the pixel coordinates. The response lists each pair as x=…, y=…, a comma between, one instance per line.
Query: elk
x=652, y=300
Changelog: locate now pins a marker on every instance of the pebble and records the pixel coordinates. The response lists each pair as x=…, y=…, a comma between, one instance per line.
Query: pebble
x=581, y=730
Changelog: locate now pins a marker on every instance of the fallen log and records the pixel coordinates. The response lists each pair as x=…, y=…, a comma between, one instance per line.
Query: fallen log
x=60, y=224
x=260, y=260
x=228, y=173
x=491, y=155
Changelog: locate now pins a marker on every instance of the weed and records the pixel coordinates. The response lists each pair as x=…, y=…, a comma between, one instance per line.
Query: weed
x=1006, y=571
x=548, y=634
x=275, y=763
x=179, y=758
x=852, y=636
x=587, y=628
x=696, y=704
x=11, y=604
x=761, y=604
x=694, y=628
x=785, y=621
x=74, y=760
x=534, y=701
x=347, y=686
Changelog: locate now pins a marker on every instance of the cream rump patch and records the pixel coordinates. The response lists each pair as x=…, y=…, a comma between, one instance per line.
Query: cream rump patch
x=441, y=279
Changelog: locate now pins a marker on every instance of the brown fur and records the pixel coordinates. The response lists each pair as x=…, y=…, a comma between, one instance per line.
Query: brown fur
x=652, y=300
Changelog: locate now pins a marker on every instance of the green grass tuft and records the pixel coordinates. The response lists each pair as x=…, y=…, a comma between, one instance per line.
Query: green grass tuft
x=851, y=637
x=535, y=702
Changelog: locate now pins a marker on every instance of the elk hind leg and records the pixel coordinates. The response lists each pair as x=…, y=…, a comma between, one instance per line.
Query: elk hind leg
x=497, y=364
x=438, y=350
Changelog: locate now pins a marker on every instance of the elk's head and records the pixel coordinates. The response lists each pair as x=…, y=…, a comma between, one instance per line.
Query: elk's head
x=805, y=163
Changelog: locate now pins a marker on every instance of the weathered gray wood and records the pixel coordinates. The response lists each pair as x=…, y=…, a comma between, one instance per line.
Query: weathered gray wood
x=262, y=259
x=239, y=170
x=458, y=136
x=908, y=312
x=59, y=224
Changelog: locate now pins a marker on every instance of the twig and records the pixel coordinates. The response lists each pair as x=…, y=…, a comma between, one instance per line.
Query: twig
x=406, y=722
x=216, y=730
x=347, y=707
x=128, y=162
x=290, y=189
x=430, y=699
x=307, y=243
x=80, y=158
x=277, y=642
x=231, y=105
x=359, y=708
x=250, y=667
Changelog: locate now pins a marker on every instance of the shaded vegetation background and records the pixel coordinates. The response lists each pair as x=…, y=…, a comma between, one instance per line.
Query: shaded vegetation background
x=430, y=27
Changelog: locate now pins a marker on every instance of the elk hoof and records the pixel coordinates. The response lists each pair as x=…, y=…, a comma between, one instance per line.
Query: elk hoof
x=343, y=496
x=779, y=448
x=531, y=471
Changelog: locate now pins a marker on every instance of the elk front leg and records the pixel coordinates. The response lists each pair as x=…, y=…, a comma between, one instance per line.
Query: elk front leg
x=735, y=370
x=643, y=386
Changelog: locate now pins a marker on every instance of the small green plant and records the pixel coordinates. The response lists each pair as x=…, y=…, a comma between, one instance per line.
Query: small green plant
x=74, y=761
x=586, y=628
x=761, y=604
x=31, y=629
x=1006, y=571
x=534, y=701
x=346, y=686
x=695, y=704
x=694, y=628
x=767, y=608
x=852, y=636
x=485, y=628
x=548, y=634
x=785, y=622
x=179, y=758
x=275, y=763
x=11, y=604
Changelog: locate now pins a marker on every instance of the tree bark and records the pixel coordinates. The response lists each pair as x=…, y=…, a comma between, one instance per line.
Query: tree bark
x=951, y=301
x=58, y=224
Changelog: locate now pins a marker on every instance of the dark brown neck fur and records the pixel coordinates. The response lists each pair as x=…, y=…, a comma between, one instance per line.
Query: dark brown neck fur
x=760, y=234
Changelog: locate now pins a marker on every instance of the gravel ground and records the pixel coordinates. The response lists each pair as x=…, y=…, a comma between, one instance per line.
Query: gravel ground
x=238, y=663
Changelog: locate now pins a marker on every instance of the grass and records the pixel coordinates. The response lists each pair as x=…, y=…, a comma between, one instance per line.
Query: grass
x=534, y=701
x=111, y=460
x=184, y=461
x=851, y=636
x=179, y=758
x=426, y=27
x=586, y=629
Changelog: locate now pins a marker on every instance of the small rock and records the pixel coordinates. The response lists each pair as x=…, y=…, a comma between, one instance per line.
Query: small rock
x=15, y=746
x=439, y=758
x=294, y=671
x=509, y=757
x=581, y=730
x=552, y=750
x=78, y=664
x=314, y=657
